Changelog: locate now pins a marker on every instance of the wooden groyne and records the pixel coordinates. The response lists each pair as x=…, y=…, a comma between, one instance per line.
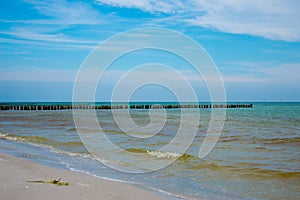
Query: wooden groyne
x=119, y=106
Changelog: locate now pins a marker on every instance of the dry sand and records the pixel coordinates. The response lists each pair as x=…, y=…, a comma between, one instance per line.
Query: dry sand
x=15, y=172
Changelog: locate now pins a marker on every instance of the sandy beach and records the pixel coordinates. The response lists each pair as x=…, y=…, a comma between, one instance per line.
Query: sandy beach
x=15, y=174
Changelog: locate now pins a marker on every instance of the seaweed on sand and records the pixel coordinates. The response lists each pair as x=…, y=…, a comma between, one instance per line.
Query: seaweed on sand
x=55, y=182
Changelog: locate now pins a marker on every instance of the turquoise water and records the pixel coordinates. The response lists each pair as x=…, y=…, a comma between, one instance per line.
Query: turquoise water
x=256, y=157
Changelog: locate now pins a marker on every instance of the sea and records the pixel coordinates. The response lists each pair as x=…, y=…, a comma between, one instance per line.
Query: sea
x=257, y=155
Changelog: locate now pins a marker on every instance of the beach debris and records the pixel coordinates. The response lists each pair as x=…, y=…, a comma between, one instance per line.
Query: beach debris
x=55, y=182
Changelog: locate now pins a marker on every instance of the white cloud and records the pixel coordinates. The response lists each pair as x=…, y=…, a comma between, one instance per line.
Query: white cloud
x=48, y=29
x=42, y=35
x=152, y=6
x=109, y=76
x=65, y=13
x=38, y=75
x=244, y=78
x=275, y=19
x=285, y=74
x=43, y=45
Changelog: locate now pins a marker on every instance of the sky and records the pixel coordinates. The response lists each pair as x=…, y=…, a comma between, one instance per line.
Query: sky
x=254, y=44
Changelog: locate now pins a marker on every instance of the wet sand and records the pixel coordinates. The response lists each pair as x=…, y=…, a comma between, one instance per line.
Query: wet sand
x=15, y=172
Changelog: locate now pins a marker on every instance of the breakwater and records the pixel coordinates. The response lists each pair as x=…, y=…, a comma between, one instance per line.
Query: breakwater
x=64, y=106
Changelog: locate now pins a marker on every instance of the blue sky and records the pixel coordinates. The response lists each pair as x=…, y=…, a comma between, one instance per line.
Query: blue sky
x=255, y=44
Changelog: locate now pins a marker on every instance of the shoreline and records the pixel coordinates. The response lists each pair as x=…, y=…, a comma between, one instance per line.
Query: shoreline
x=15, y=172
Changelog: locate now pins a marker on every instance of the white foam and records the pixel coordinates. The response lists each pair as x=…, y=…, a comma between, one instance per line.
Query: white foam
x=160, y=154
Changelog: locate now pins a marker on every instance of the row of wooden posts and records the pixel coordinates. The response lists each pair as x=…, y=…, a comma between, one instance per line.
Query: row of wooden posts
x=132, y=106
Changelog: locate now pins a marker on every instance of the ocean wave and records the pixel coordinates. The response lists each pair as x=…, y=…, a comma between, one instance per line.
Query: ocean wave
x=72, y=129
x=52, y=145
x=229, y=138
x=39, y=140
x=264, y=141
x=255, y=172
x=56, y=146
x=247, y=170
x=160, y=154
x=277, y=141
